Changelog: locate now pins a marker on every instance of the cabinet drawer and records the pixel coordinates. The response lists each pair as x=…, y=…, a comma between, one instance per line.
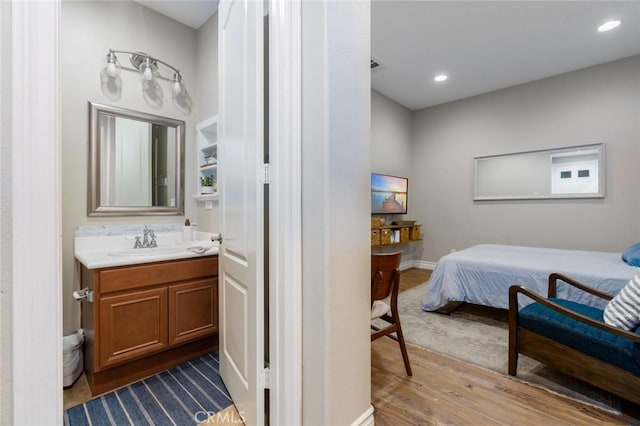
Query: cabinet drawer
x=193, y=310
x=132, y=325
x=129, y=277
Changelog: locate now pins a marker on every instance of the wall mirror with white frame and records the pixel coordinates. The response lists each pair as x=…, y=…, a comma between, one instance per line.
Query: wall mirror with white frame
x=568, y=172
x=136, y=163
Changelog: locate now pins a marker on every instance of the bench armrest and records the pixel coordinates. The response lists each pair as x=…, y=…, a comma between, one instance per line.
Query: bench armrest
x=553, y=281
x=513, y=313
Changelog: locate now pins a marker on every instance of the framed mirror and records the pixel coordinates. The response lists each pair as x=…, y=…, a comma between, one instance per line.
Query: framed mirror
x=569, y=172
x=136, y=163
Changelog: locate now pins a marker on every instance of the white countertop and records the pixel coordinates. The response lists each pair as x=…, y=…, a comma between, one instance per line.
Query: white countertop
x=117, y=250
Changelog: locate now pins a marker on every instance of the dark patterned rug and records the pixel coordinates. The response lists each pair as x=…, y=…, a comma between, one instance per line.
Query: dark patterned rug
x=184, y=395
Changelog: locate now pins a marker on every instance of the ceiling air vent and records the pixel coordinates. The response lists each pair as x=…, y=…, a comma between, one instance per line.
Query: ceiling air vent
x=374, y=64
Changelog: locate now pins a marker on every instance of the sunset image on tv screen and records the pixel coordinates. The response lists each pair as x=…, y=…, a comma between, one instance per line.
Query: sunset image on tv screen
x=388, y=194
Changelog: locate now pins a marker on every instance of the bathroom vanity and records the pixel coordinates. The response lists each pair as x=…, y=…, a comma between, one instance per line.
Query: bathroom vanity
x=143, y=314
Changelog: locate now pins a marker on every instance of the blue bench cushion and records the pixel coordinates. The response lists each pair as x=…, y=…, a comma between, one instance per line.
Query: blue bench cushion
x=590, y=340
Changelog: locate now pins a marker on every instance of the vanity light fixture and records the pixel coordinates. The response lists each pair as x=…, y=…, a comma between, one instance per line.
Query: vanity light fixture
x=147, y=66
x=609, y=25
x=440, y=78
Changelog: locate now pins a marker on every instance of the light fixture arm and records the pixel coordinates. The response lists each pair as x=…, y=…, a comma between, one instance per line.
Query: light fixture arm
x=138, y=58
x=147, y=66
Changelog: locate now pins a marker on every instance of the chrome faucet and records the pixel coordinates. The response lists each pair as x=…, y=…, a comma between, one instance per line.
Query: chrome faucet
x=145, y=236
x=146, y=243
x=153, y=242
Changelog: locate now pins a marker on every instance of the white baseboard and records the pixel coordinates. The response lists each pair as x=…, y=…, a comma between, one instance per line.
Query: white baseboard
x=366, y=419
x=420, y=264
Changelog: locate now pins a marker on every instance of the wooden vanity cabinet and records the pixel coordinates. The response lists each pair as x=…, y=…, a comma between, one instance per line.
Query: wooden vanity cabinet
x=146, y=318
x=131, y=325
x=193, y=310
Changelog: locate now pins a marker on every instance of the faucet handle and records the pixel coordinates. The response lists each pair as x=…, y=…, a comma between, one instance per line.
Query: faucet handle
x=137, y=244
x=153, y=242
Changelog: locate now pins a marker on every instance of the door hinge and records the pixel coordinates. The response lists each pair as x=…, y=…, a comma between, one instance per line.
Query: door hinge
x=267, y=377
x=264, y=175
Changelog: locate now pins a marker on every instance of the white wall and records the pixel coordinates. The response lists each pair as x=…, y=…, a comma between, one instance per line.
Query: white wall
x=596, y=104
x=336, y=376
x=88, y=30
x=6, y=364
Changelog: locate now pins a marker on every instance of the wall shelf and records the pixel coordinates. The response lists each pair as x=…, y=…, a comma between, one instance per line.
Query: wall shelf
x=207, y=158
x=391, y=235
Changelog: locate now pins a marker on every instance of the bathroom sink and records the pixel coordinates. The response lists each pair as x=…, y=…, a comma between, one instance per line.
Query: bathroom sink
x=152, y=251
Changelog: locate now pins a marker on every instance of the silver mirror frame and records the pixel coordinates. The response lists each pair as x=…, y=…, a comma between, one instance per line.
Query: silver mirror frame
x=601, y=176
x=93, y=188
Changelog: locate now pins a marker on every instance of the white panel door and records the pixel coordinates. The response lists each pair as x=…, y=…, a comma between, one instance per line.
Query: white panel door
x=241, y=205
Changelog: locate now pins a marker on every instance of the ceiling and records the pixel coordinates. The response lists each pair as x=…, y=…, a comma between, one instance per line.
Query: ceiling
x=481, y=45
x=192, y=13
x=489, y=45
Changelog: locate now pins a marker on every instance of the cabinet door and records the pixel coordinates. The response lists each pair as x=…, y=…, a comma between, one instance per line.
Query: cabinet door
x=132, y=325
x=193, y=310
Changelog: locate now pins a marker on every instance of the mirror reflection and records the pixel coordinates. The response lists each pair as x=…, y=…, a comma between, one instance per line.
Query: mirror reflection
x=136, y=163
x=571, y=172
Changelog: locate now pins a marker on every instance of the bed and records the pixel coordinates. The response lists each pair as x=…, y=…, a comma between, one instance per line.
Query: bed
x=482, y=275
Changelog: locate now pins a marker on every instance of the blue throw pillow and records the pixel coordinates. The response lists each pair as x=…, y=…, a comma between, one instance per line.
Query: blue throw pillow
x=632, y=255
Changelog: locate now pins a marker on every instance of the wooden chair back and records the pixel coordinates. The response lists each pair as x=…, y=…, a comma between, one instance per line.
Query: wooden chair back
x=384, y=274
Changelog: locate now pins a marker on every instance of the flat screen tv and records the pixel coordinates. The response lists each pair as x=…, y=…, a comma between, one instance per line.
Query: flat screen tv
x=388, y=194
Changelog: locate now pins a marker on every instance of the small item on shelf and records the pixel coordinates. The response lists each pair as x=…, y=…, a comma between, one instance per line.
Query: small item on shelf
x=207, y=184
x=187, y=232
x=385, y=236
x=210, y=160
x=377, y=222
x=375, y=237
x=403, y=222
x=404, y=235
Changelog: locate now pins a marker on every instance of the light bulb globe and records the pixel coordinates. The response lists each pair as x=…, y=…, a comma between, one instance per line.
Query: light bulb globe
x=177, y=88
x=147, y=74
x=112, y=70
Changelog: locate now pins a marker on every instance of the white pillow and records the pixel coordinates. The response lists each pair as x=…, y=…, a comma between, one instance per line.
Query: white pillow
x=623, y=311
x=380, y=308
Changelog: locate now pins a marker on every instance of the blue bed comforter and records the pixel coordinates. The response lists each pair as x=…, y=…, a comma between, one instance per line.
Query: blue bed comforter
x=482, y=275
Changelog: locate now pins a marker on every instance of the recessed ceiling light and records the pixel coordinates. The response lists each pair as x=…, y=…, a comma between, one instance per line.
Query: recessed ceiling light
x=440, y=78
x=609, y=25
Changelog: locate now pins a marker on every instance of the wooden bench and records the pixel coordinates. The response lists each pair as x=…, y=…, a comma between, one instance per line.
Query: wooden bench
x=573, y=338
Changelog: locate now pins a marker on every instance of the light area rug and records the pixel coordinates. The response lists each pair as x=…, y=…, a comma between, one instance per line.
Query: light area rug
x=484, y=342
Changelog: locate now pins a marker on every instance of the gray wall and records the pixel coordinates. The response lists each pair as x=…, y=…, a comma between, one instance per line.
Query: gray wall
x=596, y=104
x=391, y=150
x=390, y=136
x=88, y=29
x=206, y=101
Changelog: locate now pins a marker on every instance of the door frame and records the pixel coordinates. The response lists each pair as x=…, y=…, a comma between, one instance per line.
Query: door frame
x=285, y=215
x=40, y=318
x=32, y=361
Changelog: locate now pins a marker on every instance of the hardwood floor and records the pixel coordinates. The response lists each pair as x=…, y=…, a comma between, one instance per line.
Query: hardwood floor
x=446, y=391
x=412, y=277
